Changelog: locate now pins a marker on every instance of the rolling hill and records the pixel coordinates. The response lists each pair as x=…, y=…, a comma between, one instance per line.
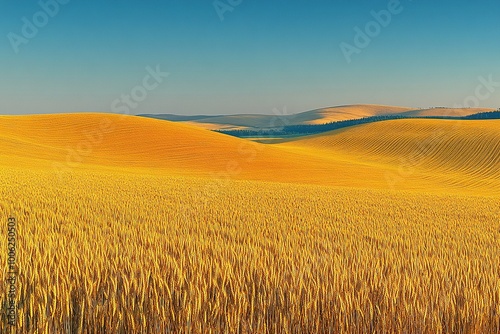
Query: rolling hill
x=317, y=116
x=464, y=153
x=94, y=140
x=445, y=112
x=341, y=113
x=430, y=155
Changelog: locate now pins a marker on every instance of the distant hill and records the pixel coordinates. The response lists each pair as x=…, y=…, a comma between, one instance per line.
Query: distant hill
x=312, y=117
x=348, y=112
x=446, y=112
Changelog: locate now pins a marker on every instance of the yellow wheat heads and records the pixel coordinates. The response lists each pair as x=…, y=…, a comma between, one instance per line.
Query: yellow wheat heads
x=258, y=257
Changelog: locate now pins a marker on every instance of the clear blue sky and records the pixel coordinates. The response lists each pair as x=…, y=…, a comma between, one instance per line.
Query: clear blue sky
x=265, y=54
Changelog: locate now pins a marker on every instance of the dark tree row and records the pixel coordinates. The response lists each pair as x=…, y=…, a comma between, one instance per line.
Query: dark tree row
x=485, y=115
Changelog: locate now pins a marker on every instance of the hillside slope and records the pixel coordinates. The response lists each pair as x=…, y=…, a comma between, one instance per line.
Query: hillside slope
x=420, y=155
x=445, y=112
x=95, y=140
x=461, y=153
x=340, y=113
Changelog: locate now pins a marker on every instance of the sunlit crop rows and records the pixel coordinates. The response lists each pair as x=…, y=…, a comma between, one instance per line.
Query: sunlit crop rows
x=130, y=253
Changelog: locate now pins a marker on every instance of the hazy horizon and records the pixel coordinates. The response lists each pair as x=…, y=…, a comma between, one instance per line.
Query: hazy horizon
x=240, y=57
x=276, y=112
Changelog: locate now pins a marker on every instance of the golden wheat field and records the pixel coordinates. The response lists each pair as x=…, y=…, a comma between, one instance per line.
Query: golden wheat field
x=135, y=225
